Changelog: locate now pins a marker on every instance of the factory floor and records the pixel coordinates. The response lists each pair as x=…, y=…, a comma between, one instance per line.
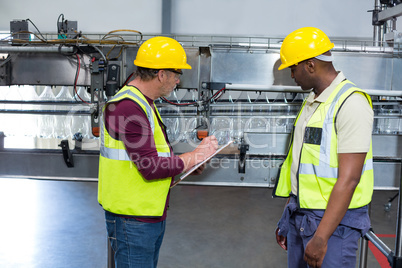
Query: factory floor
x=60, y=224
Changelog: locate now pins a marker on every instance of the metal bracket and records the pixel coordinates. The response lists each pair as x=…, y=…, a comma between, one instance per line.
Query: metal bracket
x=113, y=78
x=2, y=140
x=5, y=71
x=396, y=262
x=213, y=85
x=67, y=155
x=78, y=141
x=97, y=87
x=389, y=13
x=375, y=21
x=243, y=148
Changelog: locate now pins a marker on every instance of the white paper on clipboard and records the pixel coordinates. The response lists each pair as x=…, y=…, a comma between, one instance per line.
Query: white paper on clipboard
x=191, y=170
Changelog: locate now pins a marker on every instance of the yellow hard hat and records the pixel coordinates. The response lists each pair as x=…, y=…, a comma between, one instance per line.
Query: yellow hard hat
x=302, y=44
x=161, y=53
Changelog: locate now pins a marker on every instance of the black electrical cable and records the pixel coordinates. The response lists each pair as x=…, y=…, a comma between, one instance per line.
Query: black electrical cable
x=76, y=79
x=62, y=21
x=36, y=28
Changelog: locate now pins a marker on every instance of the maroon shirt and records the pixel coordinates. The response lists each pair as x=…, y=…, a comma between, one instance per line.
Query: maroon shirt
x=126, y=121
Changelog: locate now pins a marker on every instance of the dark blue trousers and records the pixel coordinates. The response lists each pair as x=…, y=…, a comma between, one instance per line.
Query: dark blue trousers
x=342, y=245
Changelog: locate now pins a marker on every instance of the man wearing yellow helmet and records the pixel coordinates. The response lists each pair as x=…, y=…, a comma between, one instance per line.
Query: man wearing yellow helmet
x=327, y=175
x=136, y=164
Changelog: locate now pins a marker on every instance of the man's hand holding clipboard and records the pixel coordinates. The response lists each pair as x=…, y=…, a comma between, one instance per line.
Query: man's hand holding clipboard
x=199, y=165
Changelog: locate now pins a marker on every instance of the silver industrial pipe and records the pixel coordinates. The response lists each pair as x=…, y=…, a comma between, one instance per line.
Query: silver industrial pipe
x=250, y=87
x=36, y=49
x=297, y=89
x=377, y=29
x=382, y=247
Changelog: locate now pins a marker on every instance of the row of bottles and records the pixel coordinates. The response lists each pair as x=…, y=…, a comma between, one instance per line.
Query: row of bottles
x=387, y=114
x=277, y=119
x=225, y=128
x=181, y=96
x=45, y=125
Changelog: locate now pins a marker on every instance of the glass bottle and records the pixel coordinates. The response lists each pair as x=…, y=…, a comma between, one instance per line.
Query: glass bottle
x=30, y=121
x=63, y=122
x=221, y=128
x=12, y=126
x=81, y=124
x=3, y=90
x=46, y=121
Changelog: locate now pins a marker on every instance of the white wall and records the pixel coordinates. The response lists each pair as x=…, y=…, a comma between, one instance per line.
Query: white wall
x=273, y=18
x=338, y=18
x=93, y=16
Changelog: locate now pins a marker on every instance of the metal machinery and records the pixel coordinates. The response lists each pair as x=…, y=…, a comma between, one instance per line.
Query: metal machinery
x=233, y=91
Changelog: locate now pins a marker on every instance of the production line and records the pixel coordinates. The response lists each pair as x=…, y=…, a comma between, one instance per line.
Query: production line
x=250, y=103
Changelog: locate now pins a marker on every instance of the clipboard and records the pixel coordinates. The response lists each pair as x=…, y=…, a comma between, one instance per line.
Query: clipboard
x=191, y=170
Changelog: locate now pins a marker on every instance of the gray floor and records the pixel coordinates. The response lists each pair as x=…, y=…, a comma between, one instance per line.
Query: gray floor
x=60, y=224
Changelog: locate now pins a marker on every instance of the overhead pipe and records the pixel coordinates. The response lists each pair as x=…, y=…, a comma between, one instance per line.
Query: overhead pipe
x=36, y=49
x=297, y=89
x=346, y=46
x=250, y=87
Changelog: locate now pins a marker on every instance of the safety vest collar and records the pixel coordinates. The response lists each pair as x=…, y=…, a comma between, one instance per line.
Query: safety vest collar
x=121, y=154
x=323, y=97
x=129, y=93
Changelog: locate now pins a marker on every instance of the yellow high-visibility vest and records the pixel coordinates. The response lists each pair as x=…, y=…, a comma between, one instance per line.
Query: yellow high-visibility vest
x=121, y=187
x=318, y=164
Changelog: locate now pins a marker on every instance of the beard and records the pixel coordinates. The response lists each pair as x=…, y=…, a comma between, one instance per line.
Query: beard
x=167, y=93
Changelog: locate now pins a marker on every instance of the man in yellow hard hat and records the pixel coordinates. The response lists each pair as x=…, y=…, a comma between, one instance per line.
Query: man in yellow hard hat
x=137, y=165
x=327, y=175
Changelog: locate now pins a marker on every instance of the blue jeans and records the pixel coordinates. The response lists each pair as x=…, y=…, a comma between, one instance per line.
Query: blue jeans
x=135, y=243
x=342, y=245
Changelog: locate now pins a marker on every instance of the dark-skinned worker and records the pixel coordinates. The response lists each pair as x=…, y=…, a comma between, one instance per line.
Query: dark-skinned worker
x=327, y=175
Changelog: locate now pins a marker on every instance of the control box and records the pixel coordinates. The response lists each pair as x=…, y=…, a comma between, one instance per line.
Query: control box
x=67, y=29
x=19, y=30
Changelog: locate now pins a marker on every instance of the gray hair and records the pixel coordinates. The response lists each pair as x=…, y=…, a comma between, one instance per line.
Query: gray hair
x=146, y=74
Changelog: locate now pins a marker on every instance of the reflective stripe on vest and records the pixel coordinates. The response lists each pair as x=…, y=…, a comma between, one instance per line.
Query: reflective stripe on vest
x=120, y=154
x=146, y=104
x=324, y=169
